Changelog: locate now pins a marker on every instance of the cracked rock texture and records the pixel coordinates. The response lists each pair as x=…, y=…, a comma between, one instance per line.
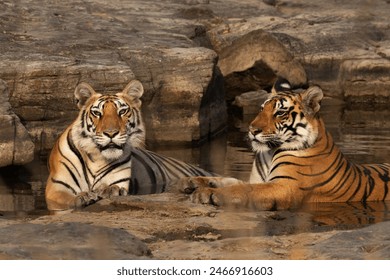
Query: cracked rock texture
x=190, y=56
x=15, y=144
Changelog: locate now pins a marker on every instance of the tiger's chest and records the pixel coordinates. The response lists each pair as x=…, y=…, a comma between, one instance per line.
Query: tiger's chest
x=261, y=167
x=271, y=165
x=99, y=173
x=119, y=176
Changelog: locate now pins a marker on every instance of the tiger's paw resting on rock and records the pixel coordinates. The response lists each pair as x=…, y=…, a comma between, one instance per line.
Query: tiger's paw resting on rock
x=233, y=193
x=188, y=185
x=230, y=196
x=216, y=191
x=244, y=196
x=105, y=191
x=84, y=199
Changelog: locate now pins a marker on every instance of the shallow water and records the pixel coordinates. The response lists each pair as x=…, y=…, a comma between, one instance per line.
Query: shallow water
x=362, y=135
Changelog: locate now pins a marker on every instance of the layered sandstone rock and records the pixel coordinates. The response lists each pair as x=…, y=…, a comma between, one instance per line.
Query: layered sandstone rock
x=173, y=47
x=47, y=48
x=342, y=46
x=183, y=52
x=252, y=61
x=16, y=146
x=42, y=92
x=185, y=99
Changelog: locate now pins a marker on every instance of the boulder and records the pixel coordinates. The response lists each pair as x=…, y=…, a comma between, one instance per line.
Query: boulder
x=357, y=245
x=184, y=93
x=184, y=52
x=254, y=60
x=250, y=102
x=16, y=146
x=42, y=92
x=343, y=46
x=366, y=80
x=54, y=46
x=69, y=241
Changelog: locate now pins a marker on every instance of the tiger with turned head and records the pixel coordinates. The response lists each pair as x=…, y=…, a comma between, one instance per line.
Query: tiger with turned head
x=296, y=161
x=101, y=153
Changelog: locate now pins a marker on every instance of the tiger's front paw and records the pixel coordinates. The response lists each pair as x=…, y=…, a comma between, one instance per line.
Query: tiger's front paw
x=206, y=195
x=84, y=199
x=235, y=196
x=110, y=191
x=188, y=185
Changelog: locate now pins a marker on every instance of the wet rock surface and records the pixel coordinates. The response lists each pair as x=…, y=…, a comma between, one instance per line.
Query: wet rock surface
x=368, y=243
x=168, y=226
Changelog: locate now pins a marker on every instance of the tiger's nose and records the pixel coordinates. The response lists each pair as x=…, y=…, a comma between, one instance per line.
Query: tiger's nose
x=111, y=133
x=254, y=130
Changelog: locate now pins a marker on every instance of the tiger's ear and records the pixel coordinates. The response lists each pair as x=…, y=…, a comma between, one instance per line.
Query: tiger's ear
x=82, y=92
x=311, y=99
x=281, y=84
x=134, y=89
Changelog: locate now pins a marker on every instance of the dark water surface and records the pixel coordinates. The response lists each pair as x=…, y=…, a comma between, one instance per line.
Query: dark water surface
x=363, y=134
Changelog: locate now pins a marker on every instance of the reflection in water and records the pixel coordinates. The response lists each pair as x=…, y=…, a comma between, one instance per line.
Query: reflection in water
x=362, y=135
x=347, y=215
x=324, y=217
x=22, y=190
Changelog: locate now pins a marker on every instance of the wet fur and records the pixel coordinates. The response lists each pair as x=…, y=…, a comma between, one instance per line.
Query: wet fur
x=296, y=161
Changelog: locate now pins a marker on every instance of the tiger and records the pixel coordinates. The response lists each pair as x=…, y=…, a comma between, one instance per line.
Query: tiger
x=295, y=161
x=102, y=154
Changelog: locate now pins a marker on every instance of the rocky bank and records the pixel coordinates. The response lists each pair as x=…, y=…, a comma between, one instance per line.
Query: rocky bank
x=191, y=56
x=168, y=226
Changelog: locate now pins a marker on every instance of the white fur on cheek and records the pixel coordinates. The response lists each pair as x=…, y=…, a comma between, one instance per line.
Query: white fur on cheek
x=136, y=134
x=256, y=144
x=259, y=148
x=84, y=143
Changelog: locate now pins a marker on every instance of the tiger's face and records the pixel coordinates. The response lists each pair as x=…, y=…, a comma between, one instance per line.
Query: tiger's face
x=109, y=124
x=287, y=121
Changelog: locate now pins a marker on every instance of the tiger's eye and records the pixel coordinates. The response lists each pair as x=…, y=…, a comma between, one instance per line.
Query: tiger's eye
x=280, y=113
x=96, y=113
x=123, y=111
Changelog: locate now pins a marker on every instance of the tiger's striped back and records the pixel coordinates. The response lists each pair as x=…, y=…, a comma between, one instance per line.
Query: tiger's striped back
x=154, y=173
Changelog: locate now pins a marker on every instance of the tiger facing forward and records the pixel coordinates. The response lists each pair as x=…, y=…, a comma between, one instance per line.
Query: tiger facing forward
x=92, y=156
x=101, y=153
x=296, y=161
